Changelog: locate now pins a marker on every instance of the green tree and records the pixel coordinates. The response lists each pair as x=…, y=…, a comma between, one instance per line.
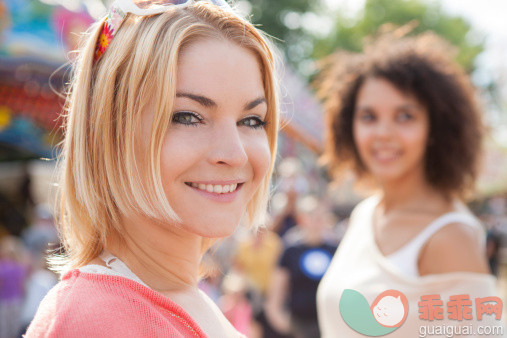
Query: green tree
x=348, y=33
x=288, y=22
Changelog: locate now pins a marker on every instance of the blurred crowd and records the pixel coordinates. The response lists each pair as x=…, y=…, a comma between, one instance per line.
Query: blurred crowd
x=24, y=275
x=261, y=279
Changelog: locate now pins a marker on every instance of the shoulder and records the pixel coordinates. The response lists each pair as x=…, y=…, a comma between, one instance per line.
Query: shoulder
x=368, y=203
x=84, y=304
x=295, y=247
x=455, y=247
x=76, y=306
x=364, y=207
x=289, y=250
x=273, y=240
x=290, y=254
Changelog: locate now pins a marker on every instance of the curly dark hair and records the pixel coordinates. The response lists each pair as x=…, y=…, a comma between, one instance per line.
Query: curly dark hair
x=423, y=67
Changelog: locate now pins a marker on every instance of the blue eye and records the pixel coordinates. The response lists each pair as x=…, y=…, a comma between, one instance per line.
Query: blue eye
x=404, y=116
x=367, y=117
x=186, y=118
x=253, y=122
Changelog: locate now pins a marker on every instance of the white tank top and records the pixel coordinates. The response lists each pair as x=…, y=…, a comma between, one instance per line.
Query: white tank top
x=407, y=256
x=359, y=265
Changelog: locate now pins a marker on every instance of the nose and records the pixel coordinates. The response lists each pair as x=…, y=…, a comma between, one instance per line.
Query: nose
x=384, y=129
x=227, y=145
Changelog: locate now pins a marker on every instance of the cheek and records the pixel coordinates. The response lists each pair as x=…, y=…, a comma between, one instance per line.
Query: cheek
x=361, y=138
x=416, y=139
x=180, y=151
x=259, y=156
x=171, y=156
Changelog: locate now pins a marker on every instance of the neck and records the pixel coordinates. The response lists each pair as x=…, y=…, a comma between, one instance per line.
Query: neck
x=163, y=256
x=411, y=192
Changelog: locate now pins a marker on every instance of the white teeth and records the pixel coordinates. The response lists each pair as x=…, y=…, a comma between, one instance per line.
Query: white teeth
x=386, y=154
x=217, y=189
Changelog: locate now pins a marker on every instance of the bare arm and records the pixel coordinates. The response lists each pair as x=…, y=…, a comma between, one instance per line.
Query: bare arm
x=276, y=313
x=454, y=248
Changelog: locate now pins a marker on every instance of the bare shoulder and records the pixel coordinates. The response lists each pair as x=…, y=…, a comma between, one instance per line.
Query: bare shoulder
x=453, y=248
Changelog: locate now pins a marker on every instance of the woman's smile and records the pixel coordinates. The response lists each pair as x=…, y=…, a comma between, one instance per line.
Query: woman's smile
x=224, y=193
x=216, y=143
x=214, y=188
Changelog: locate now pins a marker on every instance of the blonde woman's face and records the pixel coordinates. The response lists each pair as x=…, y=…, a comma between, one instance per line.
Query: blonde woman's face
x=390, y=131
x=216, y=152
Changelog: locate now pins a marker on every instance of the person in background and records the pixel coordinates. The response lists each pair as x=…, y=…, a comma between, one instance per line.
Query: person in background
x=37, y=285
x=256, y=258
x=493, y=245
x=235, y=304
x=291, y=184
x=13, y=272
x=40, y=239
x=403, y=116
x=291, y=303
x=41, y=235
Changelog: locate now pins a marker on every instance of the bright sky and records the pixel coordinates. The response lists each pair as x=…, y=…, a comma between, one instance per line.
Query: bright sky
x=489, y=18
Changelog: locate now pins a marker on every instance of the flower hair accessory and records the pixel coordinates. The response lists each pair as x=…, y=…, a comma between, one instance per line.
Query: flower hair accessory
x=120, y=9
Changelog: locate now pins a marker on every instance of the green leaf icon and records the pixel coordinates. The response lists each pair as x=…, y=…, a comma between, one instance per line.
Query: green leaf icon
x=356, y=312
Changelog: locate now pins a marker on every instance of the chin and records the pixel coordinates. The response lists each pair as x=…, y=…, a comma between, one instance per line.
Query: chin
x=215, y=228
x=387, y=174
x=216, y=234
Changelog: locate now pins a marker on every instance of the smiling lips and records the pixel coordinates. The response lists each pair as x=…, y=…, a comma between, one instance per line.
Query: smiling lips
x=214, y=188
x=385, y=155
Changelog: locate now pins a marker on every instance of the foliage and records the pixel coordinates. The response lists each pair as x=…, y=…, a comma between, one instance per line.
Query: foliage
x=349, y=33
x=285, y=21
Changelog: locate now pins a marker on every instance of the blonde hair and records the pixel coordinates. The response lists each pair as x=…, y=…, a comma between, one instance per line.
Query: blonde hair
x=100, y=177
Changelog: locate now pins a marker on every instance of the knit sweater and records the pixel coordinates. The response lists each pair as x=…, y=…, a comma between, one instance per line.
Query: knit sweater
x=98, y=305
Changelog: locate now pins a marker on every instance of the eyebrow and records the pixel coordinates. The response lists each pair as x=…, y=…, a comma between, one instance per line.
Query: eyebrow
x=255, y=103
x=207, y=102
x=202, y=100
x=409, y=106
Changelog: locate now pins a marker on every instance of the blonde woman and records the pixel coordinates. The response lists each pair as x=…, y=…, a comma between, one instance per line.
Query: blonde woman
x=170, y=142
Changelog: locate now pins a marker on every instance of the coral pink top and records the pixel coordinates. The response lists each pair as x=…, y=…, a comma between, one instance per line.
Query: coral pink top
x=97, y=305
